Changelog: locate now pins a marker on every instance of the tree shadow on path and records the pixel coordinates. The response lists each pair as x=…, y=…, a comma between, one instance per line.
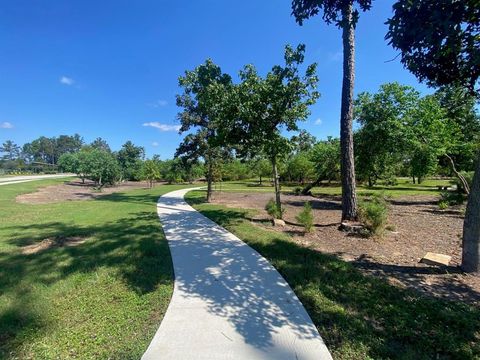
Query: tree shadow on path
x=360, y=316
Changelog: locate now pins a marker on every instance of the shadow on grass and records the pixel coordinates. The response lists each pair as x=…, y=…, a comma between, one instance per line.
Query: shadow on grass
x=449, y=287
x=132, y=242
x=127, y=198
x=317, y=204
x=360, y=316
x=132, y=247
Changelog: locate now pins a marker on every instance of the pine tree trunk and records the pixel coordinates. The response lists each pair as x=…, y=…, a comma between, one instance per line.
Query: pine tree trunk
x=349, y=197
x=471, y=227
x=276, y=183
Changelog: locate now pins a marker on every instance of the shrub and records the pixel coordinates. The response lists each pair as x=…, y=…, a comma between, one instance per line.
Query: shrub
x=305, y=217
x=442, y=204
x=272, y=209
x=391, y=180
x=450, y=198
x=373, y=213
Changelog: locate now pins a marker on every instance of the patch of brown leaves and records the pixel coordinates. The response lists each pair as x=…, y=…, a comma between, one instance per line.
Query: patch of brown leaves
x=51, y=243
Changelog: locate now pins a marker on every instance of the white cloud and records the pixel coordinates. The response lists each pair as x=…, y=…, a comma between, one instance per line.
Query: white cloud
x=318, y=121
x=155, y=144
x=66, y=81
x=162, y=127
x=159, y=103
x=6, y=125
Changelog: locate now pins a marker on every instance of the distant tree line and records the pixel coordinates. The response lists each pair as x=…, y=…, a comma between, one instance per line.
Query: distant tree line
x=399, y=133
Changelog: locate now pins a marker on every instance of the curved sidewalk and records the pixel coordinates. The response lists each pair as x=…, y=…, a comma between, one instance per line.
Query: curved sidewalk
x=228, y=301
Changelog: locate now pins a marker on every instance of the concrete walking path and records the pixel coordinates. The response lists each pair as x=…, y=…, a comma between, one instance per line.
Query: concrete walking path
x=228, y=301
x=26, y=178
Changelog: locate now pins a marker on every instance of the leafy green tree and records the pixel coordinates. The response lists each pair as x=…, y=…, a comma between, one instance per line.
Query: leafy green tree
x=194, y=171
x=83, y=162
x=190, y=168
x=172, y=171
x=130, y=159
x=67, y=144
x=100, y=166
x=203, y=91
x=69, y=162
x=299, y=168
x=460, y=108
x=384, y=135
x=260, y=167
x=304, y=141
x=432, y=135
x=10, y=150
x=267, y=105
x=439, y=44
x=100, y=144
x=49, y=150
x=438, y=41
x=41, y=150
x=325, y=156
x=235, y=170
x=344, y=14
x=150, y=171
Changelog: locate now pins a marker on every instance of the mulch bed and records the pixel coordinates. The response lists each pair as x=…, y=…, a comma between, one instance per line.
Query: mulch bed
x=418, y=227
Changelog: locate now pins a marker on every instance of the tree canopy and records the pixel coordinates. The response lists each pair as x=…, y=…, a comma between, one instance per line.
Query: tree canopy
x=332, y=10
x=265, y=105
x=203, y=89
x=438, y=40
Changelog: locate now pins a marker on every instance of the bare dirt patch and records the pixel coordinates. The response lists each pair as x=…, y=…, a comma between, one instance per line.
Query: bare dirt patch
x=419, y=227
x=74, y=190
x=51, y=243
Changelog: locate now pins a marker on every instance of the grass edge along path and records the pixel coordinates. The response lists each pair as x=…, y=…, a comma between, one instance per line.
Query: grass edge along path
x=358, y=316
x=104, y=298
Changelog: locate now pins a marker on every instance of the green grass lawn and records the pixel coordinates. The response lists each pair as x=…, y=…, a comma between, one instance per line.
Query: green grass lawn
x=403, y=188
x=101, y=299
x=358, y=316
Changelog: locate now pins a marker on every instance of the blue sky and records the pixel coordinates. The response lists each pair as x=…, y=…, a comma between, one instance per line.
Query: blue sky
x=106, y=68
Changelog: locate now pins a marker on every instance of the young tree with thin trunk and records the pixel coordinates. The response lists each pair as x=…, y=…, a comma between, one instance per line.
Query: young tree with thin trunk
x=344, y=14
x=150, y=172
x=439, y=44
x=267, y=105
x=204, y=89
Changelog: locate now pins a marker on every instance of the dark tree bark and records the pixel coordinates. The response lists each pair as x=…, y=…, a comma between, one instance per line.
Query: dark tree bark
x=306, y=189
x=276, y=182
x=471, y=227
x=349, y=196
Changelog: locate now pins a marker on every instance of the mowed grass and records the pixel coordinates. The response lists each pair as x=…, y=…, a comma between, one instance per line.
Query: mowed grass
x=102, y=299
x=358, y=316
x=403, y=188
